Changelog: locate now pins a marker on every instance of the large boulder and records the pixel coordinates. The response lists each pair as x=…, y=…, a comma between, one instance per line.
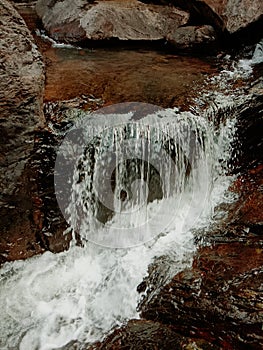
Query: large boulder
x=229, y=15
x=21, y=115
x=74, y=21
x=236, y=14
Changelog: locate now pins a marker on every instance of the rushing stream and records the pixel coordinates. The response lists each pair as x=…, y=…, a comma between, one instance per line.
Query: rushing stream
x=81, y=294
x=49, y=300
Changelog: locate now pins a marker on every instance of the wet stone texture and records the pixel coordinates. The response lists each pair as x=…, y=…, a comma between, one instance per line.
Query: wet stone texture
x=148, y=335
x=21, y=116
x=219, y=299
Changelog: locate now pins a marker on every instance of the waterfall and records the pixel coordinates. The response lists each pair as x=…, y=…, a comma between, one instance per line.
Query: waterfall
x=166, y=176
x=127, y=175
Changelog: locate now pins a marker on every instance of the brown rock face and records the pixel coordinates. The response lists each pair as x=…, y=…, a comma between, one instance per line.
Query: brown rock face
x=230, y=15
x=236, y=14
x=142, y=334
x=191, y=36
x=21, y=94
x=124, y=20
x=219, y=299
x=21, y=89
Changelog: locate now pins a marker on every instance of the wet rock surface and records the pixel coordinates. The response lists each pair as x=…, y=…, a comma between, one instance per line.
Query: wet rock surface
x=142, y=334
x=124, y=20
x=21, y=89
x=219, y=299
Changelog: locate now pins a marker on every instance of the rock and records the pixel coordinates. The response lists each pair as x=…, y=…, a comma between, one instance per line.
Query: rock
x=250, y=129
x=236, y=14
x=247, y=211
x=74, y=21
x=219, y=298
x=21, y=95
x=22, y=86
x=229, y=15
x=191, y=36
x=142, y=334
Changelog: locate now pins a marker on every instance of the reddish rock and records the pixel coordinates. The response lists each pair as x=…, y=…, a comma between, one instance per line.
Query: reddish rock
x=142, y=334
x=219, y=299
x=247, y=211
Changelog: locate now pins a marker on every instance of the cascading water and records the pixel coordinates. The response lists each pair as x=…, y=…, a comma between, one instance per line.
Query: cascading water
x=157, y=195
x=166, y=177
x=123, y=169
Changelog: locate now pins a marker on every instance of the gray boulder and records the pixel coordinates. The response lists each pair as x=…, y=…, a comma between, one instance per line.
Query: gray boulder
x=73, y=21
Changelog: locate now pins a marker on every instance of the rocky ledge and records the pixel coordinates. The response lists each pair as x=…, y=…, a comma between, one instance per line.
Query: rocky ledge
x=131, y=20
x=184, y=24
x=125, y=20
x=225, y=15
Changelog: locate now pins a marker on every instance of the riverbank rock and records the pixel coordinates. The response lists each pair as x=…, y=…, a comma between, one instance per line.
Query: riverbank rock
x=219, y=298
x=142, y=334
x=191, y=36
x=229, y=15
x=75, y=21
x=21, y=95
x=236, y=14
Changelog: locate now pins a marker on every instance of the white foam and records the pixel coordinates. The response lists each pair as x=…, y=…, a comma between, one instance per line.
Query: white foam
x=55, y=43
x=49, y=300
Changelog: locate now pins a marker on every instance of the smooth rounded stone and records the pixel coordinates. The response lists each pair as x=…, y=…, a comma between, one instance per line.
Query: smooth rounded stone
x=191, y=36
x=74, y=21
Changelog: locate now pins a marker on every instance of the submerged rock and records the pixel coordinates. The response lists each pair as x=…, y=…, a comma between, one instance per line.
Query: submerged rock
x=75, y=21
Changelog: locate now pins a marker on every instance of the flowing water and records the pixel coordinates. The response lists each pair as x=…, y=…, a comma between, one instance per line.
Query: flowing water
x=49, y=300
